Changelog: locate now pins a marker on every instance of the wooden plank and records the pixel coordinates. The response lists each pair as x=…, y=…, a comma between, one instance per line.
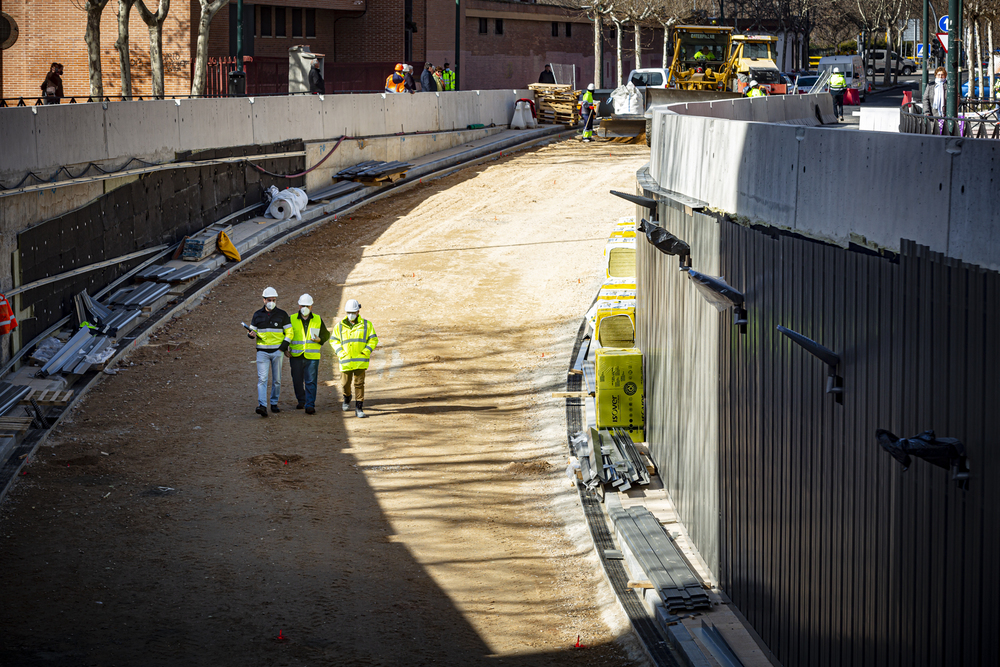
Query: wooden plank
x=571, y=394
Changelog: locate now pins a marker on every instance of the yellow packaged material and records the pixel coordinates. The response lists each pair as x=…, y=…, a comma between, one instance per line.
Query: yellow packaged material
x=619, y=283
x=623, y=234
x=611, y=294
x=614, y=323
x=620, y=393
x=619, y=253
x=620, y=307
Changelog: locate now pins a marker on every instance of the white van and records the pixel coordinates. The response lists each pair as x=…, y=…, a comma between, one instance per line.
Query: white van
x=851, y=67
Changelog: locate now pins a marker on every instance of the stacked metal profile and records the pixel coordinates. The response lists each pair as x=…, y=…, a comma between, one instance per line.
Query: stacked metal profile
x=11, y=395
x=374, y=170
x=171, y=274
x=663, y=565
x=141, y=296
x=613, y=459
x=204, y=243
x=72, y=357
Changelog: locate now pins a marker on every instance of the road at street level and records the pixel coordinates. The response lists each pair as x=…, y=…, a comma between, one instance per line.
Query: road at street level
x=165, y=523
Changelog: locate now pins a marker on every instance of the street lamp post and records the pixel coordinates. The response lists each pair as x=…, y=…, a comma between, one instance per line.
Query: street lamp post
x=458, y=43
x=952, y=59
x=239, y=35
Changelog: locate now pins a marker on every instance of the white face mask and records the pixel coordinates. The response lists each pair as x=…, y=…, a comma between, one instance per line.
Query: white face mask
x=940, y=80
x=270, y=305
x=304, y=311
x=352, y=316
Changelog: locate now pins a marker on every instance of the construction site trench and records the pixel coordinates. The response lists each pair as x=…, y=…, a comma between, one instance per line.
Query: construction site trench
x=165, y=523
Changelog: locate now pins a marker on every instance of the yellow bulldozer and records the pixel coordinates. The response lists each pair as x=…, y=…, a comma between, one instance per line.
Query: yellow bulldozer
x=701, y=58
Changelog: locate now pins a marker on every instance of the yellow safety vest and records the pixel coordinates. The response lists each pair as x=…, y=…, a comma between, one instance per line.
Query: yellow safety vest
x=393, y=87
x=354, y=343
x=838, y=82
x=755, y=92
x=270, y=338
x=302, y=343
x=449, y=79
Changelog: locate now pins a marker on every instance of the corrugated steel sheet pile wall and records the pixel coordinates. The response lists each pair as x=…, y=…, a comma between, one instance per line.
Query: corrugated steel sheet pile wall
x=833, y=552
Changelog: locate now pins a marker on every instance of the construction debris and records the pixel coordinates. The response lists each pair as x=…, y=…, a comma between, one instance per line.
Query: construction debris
x=556, y=103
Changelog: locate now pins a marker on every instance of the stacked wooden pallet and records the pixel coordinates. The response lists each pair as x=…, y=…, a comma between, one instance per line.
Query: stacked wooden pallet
x=556, y=103
x=204, y=243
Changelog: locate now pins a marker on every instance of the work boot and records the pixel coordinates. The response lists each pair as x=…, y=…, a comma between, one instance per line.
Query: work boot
x=358, y=412
x=310, y=411
x=275, y=408
x=261, y=410
x=300, y=405
x=346, y=405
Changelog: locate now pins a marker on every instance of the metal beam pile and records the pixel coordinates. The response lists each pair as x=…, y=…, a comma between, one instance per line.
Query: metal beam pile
x=140, y=297
x=613, y=459
x=11, y=395
x=663, y=564
x=374, y=171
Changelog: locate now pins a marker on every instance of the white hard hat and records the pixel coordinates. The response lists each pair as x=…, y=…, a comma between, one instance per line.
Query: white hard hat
x=270, y=293
x=305, y=300
x=836, y=70
x=753, y=82
x=590, y=86
x=353, y=306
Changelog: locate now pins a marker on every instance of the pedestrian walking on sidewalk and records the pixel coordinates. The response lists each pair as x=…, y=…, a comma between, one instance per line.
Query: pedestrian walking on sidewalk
x=308, y=335
x=271, y=328
x=353, y=341
x=427, y=84
x=935, y=93
x=547, y=76
x=316, y=84
x=838, y=84
x=52, y=87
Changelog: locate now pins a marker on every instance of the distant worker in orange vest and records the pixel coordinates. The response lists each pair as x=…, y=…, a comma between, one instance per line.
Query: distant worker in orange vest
x=395, y=82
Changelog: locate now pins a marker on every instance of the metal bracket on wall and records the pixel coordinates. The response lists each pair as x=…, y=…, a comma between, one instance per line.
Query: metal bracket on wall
x=720, y=294
x=639, y=200
x=834, y=383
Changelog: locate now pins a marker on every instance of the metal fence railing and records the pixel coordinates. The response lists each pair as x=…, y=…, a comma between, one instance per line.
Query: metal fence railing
x=976, y=124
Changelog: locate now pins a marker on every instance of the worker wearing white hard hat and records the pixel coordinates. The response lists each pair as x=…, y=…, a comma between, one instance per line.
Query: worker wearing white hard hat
x=589, y=111
x=754, y=89
x=308, y=335
x=271, y=330
x=353, y=341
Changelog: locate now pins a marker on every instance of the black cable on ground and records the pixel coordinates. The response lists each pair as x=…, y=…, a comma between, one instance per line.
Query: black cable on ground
x=645, y=627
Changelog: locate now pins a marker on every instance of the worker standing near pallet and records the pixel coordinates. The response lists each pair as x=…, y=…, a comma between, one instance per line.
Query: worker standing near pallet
x=587, y=108
x=271, y=328
x=353, y=341
x=308, y=335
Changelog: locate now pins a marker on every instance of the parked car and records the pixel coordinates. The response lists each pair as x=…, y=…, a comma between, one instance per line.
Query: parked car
x=789, y=81
x=975, y=87
x=649, y=77
x=804, y=82
x=904, y=66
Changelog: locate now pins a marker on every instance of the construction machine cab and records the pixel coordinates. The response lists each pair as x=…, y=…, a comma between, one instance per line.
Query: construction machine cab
x=752, y=57
x=701, y=58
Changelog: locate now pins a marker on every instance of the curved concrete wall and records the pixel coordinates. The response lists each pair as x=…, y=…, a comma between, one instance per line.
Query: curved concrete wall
x=834, y=184
x=46, y=137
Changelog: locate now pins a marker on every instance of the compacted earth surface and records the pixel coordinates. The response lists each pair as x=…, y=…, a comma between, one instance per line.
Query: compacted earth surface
x=165, y=523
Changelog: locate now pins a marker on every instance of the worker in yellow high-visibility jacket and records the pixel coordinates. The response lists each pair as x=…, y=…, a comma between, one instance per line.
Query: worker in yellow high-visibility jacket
x=448, y=75
x=353, y=341
x=308, y=335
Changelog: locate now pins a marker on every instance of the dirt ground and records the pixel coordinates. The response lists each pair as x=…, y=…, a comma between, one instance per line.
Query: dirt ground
x=165, y=523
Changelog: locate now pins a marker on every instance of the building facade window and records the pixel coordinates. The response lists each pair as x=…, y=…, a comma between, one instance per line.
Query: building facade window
x=296, y=22
x=569, y=29
x=279, y=22
x=310, y=23
x=266, y=13
x=482, y=27
x=555, y=28
x=497, y=26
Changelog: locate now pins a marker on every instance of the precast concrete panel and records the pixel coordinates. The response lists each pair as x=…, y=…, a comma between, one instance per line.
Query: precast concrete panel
x=358, y=115
x=759, y=109
x=974, y=232
x=724, y=152
x=70, y=134
x=273, y=120
x=680, y=165
x=141, y=128
x=411, y=113
x=455, y=110
x=306, y=117
x=495, y=108
x=19, y=153
x=854, y=182
x=766, y=177
x=214, y=123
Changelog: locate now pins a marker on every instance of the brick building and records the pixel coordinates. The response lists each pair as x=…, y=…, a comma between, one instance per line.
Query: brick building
x=504, y=43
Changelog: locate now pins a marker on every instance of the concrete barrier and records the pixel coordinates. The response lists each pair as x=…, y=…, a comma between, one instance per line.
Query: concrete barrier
x=837, y=185
x=42, y=138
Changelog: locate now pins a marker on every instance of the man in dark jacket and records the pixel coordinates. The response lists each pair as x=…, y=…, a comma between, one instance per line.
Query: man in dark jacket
x=316, y=83
x=547, y=76
x=427, y=80
x=52, y=87
x=409, y=85
x=271, y=330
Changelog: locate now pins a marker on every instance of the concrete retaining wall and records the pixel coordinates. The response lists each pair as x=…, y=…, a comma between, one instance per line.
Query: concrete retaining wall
x=44, y=138
x=837, y=185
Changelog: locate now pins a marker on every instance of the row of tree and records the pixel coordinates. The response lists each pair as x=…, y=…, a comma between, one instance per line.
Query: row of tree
x=154, y=21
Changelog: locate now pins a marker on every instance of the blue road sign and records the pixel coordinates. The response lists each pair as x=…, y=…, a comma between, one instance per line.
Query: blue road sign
x=920, y=50
x=943, y=24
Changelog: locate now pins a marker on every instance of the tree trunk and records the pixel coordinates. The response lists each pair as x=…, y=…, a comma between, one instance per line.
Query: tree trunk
x=124, y=10
x=638, y=46
x=598, y=38
x=208, y=11
x=968, y=64
x=618, y=47
x=887, y=61
x=979, y=57
x=666, y=34
x=991, y=65
x=155, y=25
x=93, y=39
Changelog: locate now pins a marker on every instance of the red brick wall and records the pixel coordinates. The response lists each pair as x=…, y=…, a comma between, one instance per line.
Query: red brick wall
x=378, y=35
x=52, y=30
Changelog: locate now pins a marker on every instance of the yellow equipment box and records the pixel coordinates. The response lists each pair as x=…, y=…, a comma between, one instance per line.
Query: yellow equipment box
x=619, y=394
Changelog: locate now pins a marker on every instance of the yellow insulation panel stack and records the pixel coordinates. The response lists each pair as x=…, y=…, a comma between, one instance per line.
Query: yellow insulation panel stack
x=620, y=393
x=619, y=256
